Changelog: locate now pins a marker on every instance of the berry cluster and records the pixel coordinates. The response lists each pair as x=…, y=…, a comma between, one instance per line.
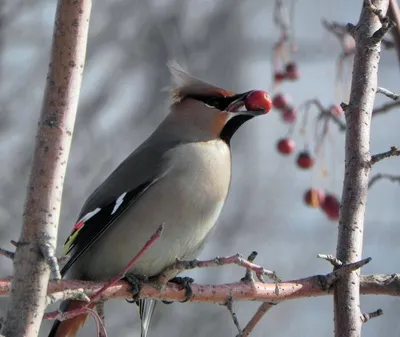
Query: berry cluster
x=328, y=203
x=290, y=73
x=288, y=112
x=313, y=197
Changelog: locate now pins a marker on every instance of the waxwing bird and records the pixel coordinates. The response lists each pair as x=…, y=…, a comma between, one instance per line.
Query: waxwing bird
x=179, y=176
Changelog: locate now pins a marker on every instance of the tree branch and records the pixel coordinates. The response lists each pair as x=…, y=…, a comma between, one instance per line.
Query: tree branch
x=393, y=152
x=312, y=286
x=34, y=257
x=357, y=168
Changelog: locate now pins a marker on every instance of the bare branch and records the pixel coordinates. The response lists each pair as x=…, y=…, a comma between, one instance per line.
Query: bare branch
x=216, y=262
x=331, y=259
x=7, y=253
x=42, y=207
x=387, y=93
x=385, y=108
x=357, y=169
x=261, y=311
x=229, y=306
x=380, y=176
x=239, y=291
x=394, y=151
x=366, y=317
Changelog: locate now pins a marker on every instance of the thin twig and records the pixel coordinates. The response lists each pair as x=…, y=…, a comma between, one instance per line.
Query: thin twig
x=380, y=176
x=216, y=262
x=229, y=306
x=261, y=311
x=367, y=316
x=394, y=151
x=385, y=108
x=331, y=259
x=387, y=93
x=7, y=253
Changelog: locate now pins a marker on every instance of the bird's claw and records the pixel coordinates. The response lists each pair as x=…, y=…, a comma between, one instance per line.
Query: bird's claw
x=136, y=284
x=184, y=282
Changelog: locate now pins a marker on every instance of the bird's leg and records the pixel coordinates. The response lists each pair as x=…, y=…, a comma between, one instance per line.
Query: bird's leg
x=185, y=283
x=136, y=283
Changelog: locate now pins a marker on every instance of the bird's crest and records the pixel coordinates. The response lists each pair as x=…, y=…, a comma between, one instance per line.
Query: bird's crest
x=186, y=85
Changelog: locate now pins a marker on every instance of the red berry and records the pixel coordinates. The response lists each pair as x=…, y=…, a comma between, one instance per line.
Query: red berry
x=290, y=67
x=289, y=114
x=331, y=206
x=314, y=197
x=286, y=146
x=336, y=109
x=258, y=100
x=279, y=76
x=304, y=160
x=280, y=101
x=292, y=72
x=293, y=75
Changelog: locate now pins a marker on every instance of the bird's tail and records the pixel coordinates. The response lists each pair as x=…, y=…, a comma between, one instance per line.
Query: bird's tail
x=146, y=311
x=70, y=327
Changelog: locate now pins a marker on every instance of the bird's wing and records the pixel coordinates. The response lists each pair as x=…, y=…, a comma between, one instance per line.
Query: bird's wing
x=140, y=170
x=92, y=225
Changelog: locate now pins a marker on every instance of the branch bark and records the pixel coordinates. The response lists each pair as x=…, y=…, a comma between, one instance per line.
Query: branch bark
x=34, y=258
x=380, y=284
x=357, y=168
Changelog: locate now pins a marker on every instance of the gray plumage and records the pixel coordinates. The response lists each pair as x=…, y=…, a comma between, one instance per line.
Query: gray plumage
x=181, y=176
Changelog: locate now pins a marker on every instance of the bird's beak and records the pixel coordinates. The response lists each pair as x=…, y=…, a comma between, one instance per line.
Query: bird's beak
x=239, y=102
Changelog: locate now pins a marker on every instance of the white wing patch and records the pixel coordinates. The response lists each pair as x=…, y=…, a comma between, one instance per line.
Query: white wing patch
x=119, y=202
x=89, y=215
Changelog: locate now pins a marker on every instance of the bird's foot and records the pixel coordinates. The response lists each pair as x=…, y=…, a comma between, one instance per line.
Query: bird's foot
x=136, y=283
x=185, y=283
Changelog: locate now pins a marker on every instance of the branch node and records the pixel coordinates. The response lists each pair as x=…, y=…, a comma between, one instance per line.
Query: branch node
x=367, y=316
x=74, y=294
x=48, y=251
x=249, y=276
x=334, y=261
x=329, y=280
x=351, y=29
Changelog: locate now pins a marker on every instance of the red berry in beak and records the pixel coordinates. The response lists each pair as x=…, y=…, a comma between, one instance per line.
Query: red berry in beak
x=314, y=197
x=331, y=206
x=304, y=160
x=258, y=100
x=286, y=146
x=280, y=101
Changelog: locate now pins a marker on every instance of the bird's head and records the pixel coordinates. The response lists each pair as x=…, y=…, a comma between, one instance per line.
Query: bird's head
x=209, y=112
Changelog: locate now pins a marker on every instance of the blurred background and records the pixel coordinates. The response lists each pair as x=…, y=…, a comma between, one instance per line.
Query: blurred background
x=228, y=43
